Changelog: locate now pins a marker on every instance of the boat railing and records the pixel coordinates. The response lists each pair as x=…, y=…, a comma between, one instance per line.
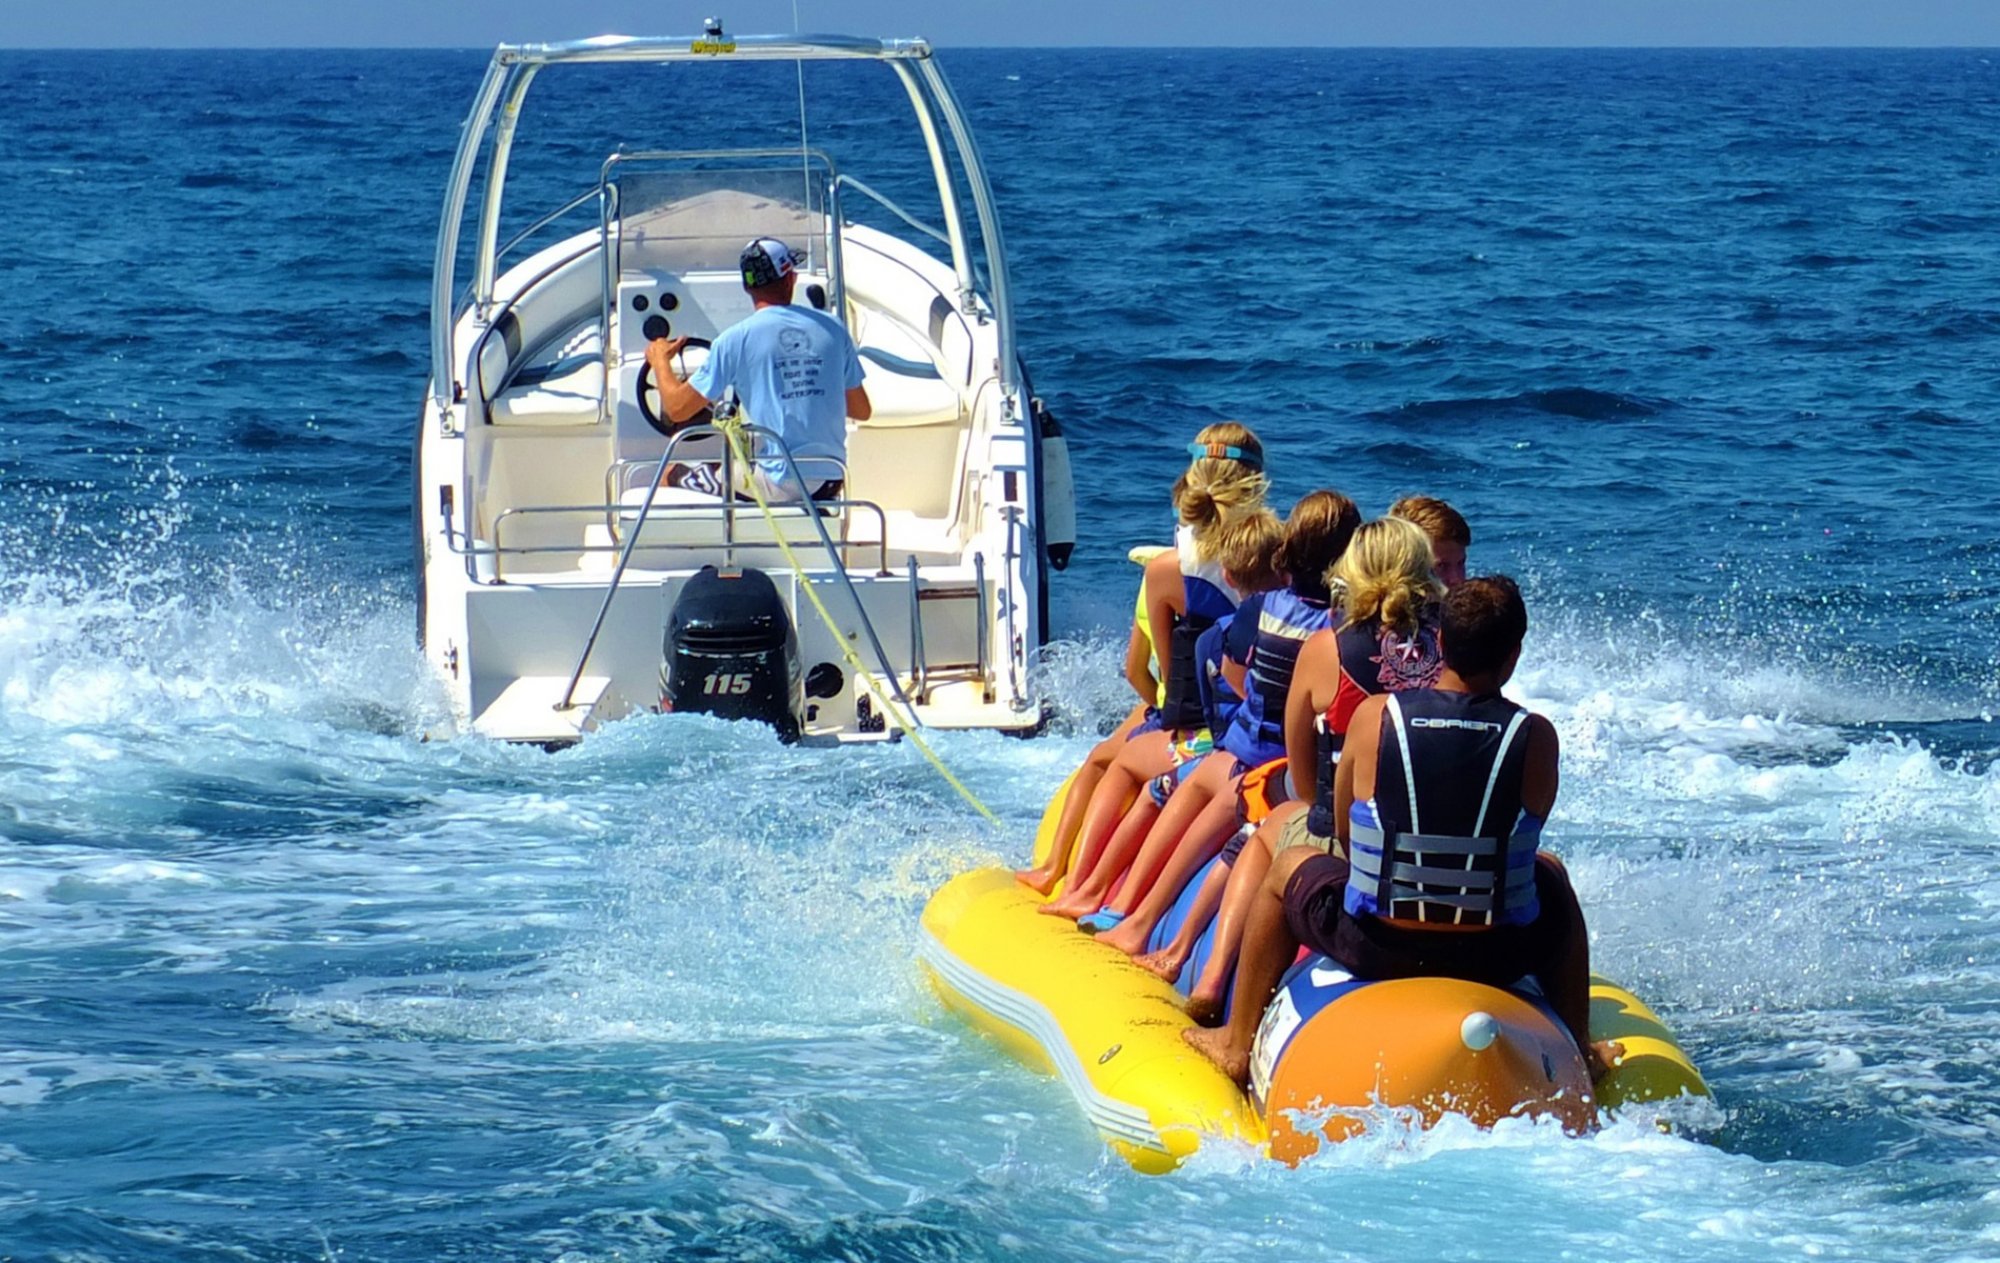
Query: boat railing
x=881, y=199
x=731, y=543
x=461, y=540
x=793, y=478
x=500, y=255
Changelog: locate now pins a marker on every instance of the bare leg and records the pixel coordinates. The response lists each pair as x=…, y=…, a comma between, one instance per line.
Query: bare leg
x=1140, y=761
x=1567, y=980
x=1122, y=785
x=1268, y=948
x=1206, y=996
x=1169, y=960
x=1183, y=809
x=1110, y=797
x=1092, y=890
x=1197, y=846
x=1108, y=838
x=1043, y=877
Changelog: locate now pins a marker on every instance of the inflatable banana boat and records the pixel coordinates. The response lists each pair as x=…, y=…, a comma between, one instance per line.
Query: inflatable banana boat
x=1332, y=1051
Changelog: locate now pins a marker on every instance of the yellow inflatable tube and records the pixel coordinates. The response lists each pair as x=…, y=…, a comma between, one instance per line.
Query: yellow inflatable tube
x=1061, y=1002
x=1109, y=1030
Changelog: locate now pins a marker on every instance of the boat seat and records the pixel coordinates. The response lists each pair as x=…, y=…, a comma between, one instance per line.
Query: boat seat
x=566, y=392
x=906, y=392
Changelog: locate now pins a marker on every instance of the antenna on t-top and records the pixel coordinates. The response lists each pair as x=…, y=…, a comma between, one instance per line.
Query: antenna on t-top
x=805, y=150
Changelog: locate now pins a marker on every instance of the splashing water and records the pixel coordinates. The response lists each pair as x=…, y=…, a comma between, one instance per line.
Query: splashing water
x=286, y=981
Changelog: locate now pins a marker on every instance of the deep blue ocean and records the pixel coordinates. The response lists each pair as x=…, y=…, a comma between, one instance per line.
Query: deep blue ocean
x=1704, y=344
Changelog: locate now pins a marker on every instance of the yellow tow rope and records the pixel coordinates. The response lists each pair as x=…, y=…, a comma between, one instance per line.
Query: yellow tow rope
x=732, y=428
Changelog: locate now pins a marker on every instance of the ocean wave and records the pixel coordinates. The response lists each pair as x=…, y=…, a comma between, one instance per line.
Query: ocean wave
x=1817, y=261
x=1575, y=402
x=1410, y=458
x=1933, y=417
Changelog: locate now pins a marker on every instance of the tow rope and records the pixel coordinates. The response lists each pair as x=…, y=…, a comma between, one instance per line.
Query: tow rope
x=907, y=724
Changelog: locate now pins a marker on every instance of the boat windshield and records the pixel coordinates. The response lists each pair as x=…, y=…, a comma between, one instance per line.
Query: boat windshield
x=696, y=220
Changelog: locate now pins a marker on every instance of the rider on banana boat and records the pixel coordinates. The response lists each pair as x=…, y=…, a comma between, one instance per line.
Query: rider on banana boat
x=1263, y=775
x=1119, y=813
x=1447, y=530
x=1199, y=809
x=1386, y=640
x=1439, y=805
x=1223, y=483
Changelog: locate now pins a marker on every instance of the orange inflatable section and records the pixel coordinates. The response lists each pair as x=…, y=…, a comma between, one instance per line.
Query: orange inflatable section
x=1433, y=1045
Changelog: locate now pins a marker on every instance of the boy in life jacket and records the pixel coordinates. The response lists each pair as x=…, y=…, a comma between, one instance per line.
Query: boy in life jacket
x=1439, y=801
x=1445, y=527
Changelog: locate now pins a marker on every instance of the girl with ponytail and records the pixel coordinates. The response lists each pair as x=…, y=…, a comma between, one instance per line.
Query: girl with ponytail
x=1184, y=590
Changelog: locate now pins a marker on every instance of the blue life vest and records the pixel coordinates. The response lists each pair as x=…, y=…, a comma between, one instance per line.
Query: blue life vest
x=1288, y=618
x=1219, y=702
x=1445, y=839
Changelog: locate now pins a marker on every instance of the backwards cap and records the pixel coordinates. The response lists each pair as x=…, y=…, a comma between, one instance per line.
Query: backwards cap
x=766, y=261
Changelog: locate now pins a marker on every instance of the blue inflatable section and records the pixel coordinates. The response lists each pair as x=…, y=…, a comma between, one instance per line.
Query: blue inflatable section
x=1177, y=916
x=1313, y=983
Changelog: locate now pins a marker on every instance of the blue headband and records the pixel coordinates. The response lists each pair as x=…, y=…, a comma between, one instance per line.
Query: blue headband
x=1226, y=451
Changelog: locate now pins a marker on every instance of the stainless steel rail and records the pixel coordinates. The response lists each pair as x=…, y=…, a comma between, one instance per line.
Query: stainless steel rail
x=1016, y=645
x=545, y=221
x=883, y=201
x=729, y=480
x=612, y=510
x=919, y=669
x=712, y=48
x=981, y=632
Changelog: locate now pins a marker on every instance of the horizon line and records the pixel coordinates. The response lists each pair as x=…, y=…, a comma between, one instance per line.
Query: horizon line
x=1045, y=48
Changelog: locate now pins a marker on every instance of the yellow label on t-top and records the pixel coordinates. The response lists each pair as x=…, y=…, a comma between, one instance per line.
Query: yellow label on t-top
x=713, y=46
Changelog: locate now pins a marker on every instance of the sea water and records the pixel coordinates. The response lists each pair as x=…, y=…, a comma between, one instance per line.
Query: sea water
x=1703, y=344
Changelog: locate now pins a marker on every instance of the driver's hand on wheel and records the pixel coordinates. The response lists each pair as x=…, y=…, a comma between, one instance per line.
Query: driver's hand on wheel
x=660, y=353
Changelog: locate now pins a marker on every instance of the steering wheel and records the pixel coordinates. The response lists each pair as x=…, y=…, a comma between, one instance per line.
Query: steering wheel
x=648, y=393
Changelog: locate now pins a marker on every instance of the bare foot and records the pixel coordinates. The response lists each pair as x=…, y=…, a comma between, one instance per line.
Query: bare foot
x=1165, y=963
x=1215, y=1045
x=1206, y=1010
x=1039, y=880
x=1127, y=936
x=1072, y=905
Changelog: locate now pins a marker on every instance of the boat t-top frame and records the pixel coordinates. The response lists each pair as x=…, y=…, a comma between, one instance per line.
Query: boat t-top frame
x=496, y=111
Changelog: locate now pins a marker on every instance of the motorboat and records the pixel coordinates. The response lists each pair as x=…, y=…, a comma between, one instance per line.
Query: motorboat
x=566, y=584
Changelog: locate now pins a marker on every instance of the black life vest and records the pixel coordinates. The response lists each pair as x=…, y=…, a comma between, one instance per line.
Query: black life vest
x=1444, y=839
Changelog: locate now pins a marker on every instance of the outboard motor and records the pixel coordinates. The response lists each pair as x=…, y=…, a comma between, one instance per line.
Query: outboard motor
x=731, y=651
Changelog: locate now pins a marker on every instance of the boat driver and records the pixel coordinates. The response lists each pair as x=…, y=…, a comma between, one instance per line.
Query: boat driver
x=794, y=371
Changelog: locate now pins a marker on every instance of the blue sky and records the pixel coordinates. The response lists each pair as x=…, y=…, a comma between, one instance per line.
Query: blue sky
x=459, y=23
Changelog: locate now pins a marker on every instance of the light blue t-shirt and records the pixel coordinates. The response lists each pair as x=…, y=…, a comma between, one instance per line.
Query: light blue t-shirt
x=791, y=368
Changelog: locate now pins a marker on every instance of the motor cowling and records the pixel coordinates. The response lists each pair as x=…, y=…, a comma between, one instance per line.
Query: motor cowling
x=731, y=651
